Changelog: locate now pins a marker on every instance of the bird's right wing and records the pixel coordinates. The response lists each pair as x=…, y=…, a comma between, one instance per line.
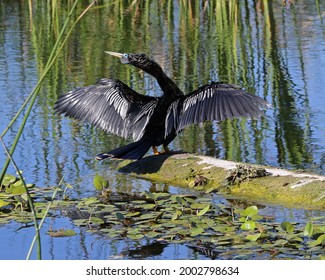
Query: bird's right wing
x=214, y=102
x=110, y=105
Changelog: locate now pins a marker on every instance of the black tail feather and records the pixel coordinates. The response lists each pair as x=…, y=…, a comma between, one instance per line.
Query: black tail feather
x=135, y=150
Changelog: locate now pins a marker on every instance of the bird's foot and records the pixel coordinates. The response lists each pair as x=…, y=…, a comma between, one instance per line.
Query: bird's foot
x=166, y=150
x=155, y=150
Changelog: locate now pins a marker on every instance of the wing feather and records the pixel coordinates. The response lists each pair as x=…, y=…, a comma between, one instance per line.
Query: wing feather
x=214, y=102
x=110, y=105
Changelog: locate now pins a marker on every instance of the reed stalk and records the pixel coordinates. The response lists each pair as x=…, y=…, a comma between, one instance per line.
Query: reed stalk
x=43, y=219
x=29, y=199
x=32, y=96
x=57, y=48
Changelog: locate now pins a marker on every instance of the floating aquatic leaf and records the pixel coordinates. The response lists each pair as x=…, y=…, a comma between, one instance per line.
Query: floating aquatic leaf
x=250, y=211
x=257, y=217
x=203, y=211
x=136, y=236
x=152, y=234
x=196, y=231
x=132, y=214
x=24, y=219
x=61, y=233
x=185, y=219
x=280, y=242
x=309, y=229
x=133, y=231
x=119, y=216
x=180, y=201
x=222, y=228
x=8, y=180
x=100, y=182
x=319, y=228
x=96, y=221
x=319, y=241
x=149, y=195
x=209, y=222
x=198, y=206
x=3, y=203
x=139, y=201
x=253, y=237
x=162, y=194
x=160, y=214
x=293, y=237
x=40, y=204
x=148, y=206
x=176, y=215
x=80, y=222
x=16, y=189
x=248, y=225
x=287, y=226
x=261, y=228
x=148, y=216
x=113, y=235
x=190, y=199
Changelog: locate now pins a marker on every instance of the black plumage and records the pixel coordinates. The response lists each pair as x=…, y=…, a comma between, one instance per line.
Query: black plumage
x=114, y=107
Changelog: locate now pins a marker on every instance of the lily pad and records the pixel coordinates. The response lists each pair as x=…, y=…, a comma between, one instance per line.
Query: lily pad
x=253, y=237
x=287, y=226
x=309, y=229
x=100, y=182
x=62, y=233
x=248, y=225
x=250, y=211
x=3, y=203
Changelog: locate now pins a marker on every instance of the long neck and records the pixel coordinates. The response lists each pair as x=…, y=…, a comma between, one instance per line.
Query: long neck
x=167, y=85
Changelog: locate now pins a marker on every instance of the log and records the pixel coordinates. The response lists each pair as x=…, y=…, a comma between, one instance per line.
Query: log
x=257, y=183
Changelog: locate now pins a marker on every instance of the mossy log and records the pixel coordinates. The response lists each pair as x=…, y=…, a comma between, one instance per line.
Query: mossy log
x=254, y=182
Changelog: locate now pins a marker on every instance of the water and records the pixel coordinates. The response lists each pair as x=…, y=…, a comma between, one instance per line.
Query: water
x=274, y=51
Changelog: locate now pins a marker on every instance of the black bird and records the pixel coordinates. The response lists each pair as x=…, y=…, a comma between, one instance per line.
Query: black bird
x=152, y=121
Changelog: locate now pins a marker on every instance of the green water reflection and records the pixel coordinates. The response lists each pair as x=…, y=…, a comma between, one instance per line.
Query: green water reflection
x=264, y=46
x=275, y=51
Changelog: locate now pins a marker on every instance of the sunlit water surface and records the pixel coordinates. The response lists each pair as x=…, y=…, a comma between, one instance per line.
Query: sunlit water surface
x=280, y=57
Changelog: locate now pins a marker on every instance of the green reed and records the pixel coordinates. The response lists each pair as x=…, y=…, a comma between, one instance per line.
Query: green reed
x=29, y=103
x=30, y=100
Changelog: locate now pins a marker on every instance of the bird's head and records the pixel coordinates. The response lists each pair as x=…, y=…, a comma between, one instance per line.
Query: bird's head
x=139, y=60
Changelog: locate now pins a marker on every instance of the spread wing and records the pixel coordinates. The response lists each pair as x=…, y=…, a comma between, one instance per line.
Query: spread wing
x=110, y=105
x=214, y=102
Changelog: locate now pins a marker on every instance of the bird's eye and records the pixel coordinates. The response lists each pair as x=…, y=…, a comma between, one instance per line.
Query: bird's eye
x=126, y=55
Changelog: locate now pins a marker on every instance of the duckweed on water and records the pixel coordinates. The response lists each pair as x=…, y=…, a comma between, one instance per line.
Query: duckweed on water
x=212, y=229
x=215, y=230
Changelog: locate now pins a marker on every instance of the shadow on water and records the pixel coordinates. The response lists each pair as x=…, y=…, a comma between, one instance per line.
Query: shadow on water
x=150, y=250
x=149, y=164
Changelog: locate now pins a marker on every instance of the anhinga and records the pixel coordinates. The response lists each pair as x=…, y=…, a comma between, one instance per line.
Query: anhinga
x=152, y=121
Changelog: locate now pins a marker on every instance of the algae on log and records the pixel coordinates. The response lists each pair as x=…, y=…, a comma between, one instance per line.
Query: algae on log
x=258, y=183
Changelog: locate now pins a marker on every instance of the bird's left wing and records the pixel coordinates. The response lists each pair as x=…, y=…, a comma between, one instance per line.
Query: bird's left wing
x=110, y=105
x=217, y=102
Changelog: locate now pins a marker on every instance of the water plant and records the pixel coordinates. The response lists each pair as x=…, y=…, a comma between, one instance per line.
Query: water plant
x=30, y=100
x=17, y=187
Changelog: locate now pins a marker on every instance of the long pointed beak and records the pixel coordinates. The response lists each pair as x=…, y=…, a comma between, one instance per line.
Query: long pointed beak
x=119, y=55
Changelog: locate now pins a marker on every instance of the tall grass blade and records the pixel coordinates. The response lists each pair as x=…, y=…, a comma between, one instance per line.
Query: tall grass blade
x=29, y=199
x=32, y=96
